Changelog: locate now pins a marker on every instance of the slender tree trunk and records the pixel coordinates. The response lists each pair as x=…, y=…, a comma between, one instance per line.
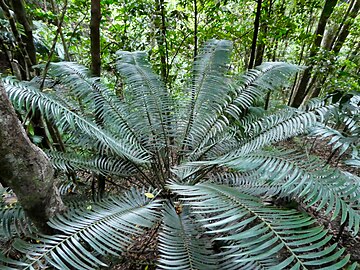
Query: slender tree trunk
x=302, y=88
x=160, y=24
x=255, y=36
x=338, y=43
x=95, y=37
x=195, y=29
x=260, y=48
x=300, y=60
x=96, y=69
x=345, y=29
x=21, y=54
x=341, y=24
x=57, y=23
x=26, y=169
x=27, y=36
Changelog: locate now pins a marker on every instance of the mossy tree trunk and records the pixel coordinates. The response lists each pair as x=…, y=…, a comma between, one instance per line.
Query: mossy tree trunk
x=26, y=169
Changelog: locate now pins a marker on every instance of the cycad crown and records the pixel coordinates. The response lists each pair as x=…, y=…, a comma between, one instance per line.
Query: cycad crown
x=201, y=156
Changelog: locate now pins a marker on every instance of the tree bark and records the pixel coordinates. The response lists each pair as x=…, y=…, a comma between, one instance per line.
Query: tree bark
x=26, y=169
x=195, y=29
x=339, y=41
x=160, y=24
x=345, y=29
x=302, y=88
x=95, y=37
x=96, y=69
x=256, y=32
x=27, y=37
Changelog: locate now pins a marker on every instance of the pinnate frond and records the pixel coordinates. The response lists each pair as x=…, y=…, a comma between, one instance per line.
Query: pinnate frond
x=208, y=83
x=324, y=187
x=237, y=99
x=259, y=232
x=22, y=94
x=12, y=217
x=106, y=106
x=147, y=97
x=105, y=227
x=182, y=244
x=69, y=162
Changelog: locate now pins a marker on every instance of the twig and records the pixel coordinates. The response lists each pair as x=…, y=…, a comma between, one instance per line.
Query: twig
x=53, y=45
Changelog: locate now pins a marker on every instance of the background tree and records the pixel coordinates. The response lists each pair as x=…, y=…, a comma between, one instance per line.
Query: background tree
x=302, y=89
x=95, y=37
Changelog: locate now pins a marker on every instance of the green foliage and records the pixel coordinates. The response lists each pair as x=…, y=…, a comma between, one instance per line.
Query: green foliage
x=13, y=220
x=343, y=129
x=206, y=181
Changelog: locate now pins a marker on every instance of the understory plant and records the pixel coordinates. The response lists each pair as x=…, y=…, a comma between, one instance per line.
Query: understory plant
x=198, y=170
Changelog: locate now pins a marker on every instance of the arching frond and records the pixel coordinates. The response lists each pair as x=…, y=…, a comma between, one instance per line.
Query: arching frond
x=355, y=162
x=208, y=83
x=147, y=97
x=69, y=162
x=250, y=182
x=259, y=232
x=324, y=187
x=182, y=245
x=229, y=262
x=103, y=103
x=22, y=94
x=338, y=140
x=271, y=129
x=106, y=227
x=235, y=102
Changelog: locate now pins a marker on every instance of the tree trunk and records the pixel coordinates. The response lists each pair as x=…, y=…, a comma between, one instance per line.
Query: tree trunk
x=160, y=24
x=95, y=37
x=260, y=48
x=302, y=88
x=256, y=32
x=339, y=41
x=195, y=29
x=26, y=169
x=96, y=69
x=27, y=37
x=345, y=29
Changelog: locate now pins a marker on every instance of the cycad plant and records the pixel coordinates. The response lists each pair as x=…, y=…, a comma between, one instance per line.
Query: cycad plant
x=202, y=173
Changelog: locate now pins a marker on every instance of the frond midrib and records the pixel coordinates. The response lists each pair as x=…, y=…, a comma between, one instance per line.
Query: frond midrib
x=69, y=236
x=305, y=173
x=194, y=97
x=264, y=221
